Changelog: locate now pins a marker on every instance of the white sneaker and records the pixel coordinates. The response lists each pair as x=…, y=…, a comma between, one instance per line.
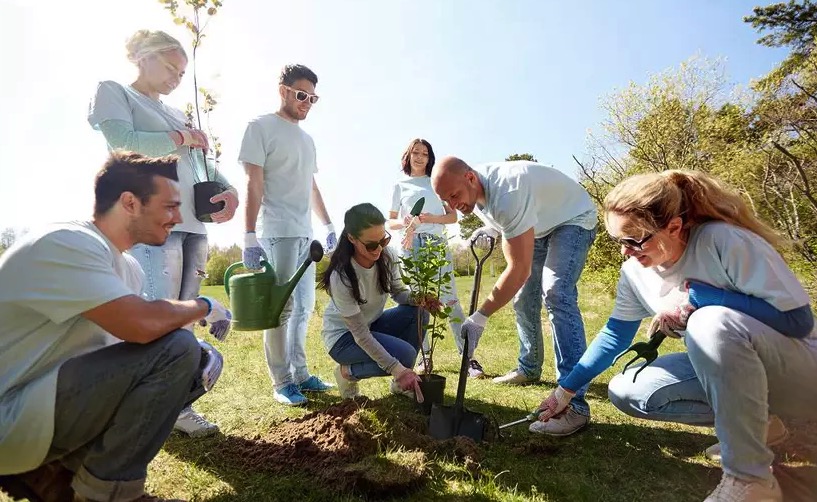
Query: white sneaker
x=564, y=424
x=732, y=489
x=394, y=387
x=776, y=433
x=194, y=425
x=514, y=377
x=347, y=388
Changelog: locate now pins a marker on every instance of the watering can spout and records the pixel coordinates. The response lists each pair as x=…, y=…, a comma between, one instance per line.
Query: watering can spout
x=257, y=299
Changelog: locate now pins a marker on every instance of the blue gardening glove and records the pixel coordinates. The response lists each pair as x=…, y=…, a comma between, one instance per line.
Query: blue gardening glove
x=218, y=317
x=473, y=326
x=211, y=365
x=253, y=252
x=331, y=239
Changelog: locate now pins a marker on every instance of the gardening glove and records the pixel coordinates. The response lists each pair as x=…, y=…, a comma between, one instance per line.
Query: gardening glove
x=218, y=317
x=193, y=138
x=253, y=252
x=671, y=322
x=409, y=380
x=230, y=199
x=555, y=403
x=481, y=235
x=211, y=365
x=473, y=326
x=331, y=239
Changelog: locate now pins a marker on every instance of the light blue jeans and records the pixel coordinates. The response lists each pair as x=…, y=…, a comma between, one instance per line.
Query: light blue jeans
x=456, y=313
x=285, y=346
x=735, y=372
x=175, y=269
x=395, y=330
x=558, y=261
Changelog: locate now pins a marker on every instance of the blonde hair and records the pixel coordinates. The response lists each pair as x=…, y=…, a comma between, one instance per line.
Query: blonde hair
x=653, y=199
x=146, y=43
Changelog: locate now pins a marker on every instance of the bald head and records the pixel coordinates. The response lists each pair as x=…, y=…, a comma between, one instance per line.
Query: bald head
x=456, y=184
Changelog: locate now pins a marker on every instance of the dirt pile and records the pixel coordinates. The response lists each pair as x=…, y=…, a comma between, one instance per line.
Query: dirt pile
x=344, y=444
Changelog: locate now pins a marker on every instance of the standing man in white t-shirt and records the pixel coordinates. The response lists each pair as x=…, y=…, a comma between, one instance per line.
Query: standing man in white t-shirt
x=548, y=223
x=279, y=159
x=71, y=395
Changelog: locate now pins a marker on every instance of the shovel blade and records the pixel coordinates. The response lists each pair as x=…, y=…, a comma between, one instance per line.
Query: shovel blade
x=444, y=424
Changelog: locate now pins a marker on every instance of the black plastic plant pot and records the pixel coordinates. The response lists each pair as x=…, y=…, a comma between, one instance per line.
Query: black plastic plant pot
x=202, y=193
x=433, y=388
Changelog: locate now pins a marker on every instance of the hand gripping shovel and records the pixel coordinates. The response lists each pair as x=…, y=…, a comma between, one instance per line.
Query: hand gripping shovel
x=446, y=421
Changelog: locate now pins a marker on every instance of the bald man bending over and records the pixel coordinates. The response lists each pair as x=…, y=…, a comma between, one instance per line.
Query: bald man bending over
x=548, y=222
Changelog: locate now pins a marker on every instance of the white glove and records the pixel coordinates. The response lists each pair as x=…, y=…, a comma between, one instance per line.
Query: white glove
x=211, y=365
x=331, y=239
x=253, y=252
x=555, y=403
x=473, y=326
x=218, y=317
x=481, y=235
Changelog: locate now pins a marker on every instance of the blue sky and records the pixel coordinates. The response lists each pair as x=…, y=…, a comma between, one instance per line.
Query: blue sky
x=479, y=79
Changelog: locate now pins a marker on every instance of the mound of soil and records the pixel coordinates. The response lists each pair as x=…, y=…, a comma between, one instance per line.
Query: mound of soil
x=342, y=446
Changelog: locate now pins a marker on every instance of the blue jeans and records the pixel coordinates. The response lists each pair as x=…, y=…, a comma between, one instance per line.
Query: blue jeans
x=456, y=312
x=116, y=406
x=395, y=330
x=172, y=269
x=558, y=261
x=735, y=372
x=285, y=346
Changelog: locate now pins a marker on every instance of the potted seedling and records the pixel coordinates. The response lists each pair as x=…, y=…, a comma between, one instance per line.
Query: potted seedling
x=423, y=273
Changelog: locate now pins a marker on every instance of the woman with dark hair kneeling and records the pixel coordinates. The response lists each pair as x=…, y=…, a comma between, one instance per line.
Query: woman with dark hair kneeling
x=361, y=337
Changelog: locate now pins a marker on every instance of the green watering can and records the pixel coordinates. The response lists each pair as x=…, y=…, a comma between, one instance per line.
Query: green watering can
x=257, y=299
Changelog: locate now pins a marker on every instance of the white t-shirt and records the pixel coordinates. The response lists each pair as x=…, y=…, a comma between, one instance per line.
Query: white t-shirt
x=117, y=102
x=49, y=278
x=407, y=192
x=342, y=303
x=287, y=155
x=718, y=253
x=520, y=195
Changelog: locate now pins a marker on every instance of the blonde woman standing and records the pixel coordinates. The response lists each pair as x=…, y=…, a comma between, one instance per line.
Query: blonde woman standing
x=133, y=117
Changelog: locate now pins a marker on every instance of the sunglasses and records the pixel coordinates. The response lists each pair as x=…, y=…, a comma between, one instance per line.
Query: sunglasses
x=303, y=95
x=633, y=244
x=371, y=246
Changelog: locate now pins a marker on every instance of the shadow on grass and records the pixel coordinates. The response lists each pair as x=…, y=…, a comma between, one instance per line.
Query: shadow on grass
x=604, y=462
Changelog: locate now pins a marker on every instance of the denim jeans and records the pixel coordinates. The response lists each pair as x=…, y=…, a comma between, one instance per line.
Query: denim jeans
x=116, y=406
x=735, y=372
x=456, y=312
x=285, y=346
x=172, y=269
x=395, y=330
x=558, y=261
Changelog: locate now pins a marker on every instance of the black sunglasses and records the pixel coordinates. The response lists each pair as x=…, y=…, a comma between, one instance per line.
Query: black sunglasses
x=303, y=95
x=630, y=243
x=371, y=246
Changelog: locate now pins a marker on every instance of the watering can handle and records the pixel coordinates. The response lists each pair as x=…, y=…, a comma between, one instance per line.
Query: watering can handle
x=229, y=273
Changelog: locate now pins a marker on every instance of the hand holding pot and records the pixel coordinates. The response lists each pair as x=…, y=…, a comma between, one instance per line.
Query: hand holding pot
x=230, y=199
x=409, y=380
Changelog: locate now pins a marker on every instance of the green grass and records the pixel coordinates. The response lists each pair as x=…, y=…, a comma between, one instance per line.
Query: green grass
x=616, y=458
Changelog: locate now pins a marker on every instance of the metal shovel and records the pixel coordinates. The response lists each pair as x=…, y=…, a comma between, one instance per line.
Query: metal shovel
x=446, y=421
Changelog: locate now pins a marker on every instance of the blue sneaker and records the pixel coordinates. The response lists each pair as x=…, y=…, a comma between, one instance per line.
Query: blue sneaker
x=290, y=396
x=314, y=384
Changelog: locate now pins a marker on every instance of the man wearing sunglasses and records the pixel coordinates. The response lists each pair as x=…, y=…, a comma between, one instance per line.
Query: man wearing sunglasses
x=548, y=223
x=279, y=159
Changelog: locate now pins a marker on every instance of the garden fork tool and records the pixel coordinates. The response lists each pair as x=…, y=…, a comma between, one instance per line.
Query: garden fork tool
x=530, y=417
x=643, y=350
